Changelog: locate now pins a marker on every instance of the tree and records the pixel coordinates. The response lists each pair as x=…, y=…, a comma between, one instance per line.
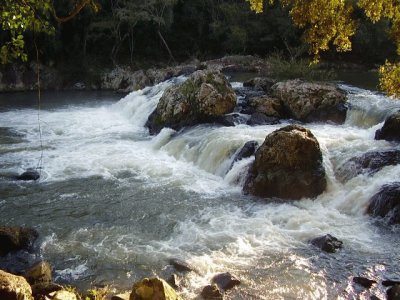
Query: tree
x=329, y=23
x=21, y=16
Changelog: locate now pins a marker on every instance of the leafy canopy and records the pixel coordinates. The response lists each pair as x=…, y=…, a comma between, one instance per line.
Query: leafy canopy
x=331, y=22
x=21, y=16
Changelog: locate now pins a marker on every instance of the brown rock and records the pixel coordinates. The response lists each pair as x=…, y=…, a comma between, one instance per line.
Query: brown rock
x=225, y=281
x=14, y=287
x=212, y=292
x=288, y=165
x=153, y=289
x=312, y=101
x=16, y=238
x=40, y=272
x=267, y=105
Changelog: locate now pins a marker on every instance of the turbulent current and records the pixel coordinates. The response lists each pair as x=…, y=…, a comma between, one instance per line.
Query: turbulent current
x=114, y=204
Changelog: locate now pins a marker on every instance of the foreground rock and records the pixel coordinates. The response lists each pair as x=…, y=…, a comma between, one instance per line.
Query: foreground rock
x=62, y=295
x=327, y=243
x=288, y=165
x=153, y=289
x=14, y=287
x=16, y=238
x=386, y=203
x=390, y=130
x=312, y=101
x=393, y=293
x=368, y=163
x=204, y=97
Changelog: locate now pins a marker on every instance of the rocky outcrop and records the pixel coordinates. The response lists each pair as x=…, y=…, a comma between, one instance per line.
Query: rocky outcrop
x=311, y=101
x=22, y=77
x=16, y=238
x=153, y=289
x=390, y=130
x=367, y=163
x=288, y=165
x=386, y=203
x=203, y=97
x=327, y=243
x=14, y=287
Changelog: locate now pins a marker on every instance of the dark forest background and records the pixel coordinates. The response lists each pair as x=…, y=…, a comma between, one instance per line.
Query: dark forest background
x=159, y=32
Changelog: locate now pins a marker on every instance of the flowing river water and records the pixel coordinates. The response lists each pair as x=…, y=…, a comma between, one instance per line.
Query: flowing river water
x=114, y=203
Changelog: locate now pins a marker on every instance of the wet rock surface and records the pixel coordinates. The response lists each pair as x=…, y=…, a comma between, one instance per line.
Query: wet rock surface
x=390, y=130
x=288, y=165
x=16, y=238
x=327, y=243
x=386, y=203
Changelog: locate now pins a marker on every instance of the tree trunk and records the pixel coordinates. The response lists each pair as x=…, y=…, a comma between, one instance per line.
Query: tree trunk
x=166, y=46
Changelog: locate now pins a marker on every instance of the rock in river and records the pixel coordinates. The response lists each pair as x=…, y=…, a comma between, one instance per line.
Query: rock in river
x=14, y=287
x=153, y=289
x=327, y=243
x=288, y=165
x=204, y=97
x=390, y=130
x=312, y=101
x=386, y=203
x=16, y=238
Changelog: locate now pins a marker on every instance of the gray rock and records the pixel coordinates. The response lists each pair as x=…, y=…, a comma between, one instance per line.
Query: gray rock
x=225, y=281
x=261, y=119
x=29, y=175
x=365, y=282
x=212, y=292
x=180, y=265
x=288, y=165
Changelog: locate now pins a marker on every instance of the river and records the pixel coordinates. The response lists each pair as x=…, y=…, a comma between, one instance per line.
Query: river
x=114, y=204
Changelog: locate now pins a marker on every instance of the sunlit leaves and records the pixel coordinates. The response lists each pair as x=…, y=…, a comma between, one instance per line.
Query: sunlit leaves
x=390, y=78
x=331, y=22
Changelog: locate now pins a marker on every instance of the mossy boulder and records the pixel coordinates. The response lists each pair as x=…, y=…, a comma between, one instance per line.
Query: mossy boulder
x=204, y=97
x=288, y=165
x=153, y=289
x=312, y=101
x=16, y=238
x=14, y=287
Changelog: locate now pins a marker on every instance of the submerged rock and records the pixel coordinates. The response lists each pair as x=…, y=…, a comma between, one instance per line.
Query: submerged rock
x=202, y=98
x=288, y=165
x=153, y=289
x=14, y=287
x=211, y=292
x=312, y=101
x=29, y=175
x=365, y=282
x=367, y=163
x=248, y=149
x=327, y=243
x=180, y=265
x=16, y=238
x=386, y=203
x=390, y=130
x=225, y=281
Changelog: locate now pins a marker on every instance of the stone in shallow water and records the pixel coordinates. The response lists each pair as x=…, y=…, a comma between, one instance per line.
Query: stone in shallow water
x=153, y=289
x=180, y=265
x=390, y=130
x=211, y=292
x=365, y=282
x=394, y=292
x=225, y=281
x=29, y=175
x=386, y=203
x=327, y=243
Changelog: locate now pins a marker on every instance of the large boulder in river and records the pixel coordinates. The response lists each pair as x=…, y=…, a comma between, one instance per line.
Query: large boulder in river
x=288, y=165
x=386, y=203
x=204, y=97
x=14, y=287
x=390, y=130
x=16, y=238
x=153, y=289
x=367, y=163
x=312, y=101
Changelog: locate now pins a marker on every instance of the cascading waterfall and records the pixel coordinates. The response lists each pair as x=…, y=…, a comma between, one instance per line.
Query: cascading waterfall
x=116, y=203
